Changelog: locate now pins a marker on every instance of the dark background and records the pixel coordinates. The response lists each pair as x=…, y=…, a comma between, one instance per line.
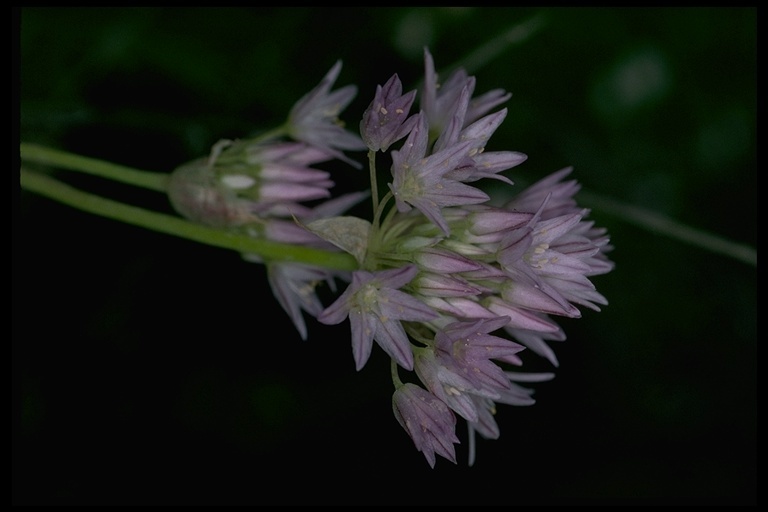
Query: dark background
x=149, y=369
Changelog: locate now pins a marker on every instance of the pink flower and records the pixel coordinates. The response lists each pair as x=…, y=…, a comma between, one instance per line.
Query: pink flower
x=428, y=421
x=314, y=118
x=375, y=307
x=420, y=179
x=386, y=120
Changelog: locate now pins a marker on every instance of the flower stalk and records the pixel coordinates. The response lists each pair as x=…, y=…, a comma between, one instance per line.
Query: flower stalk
x=51, y=188
x=64, y=160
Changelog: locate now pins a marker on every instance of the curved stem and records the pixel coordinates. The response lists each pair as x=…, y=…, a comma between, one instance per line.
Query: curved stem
x=658, y=223
x=275, y=133
x=54, y=157
x=58, y=191
x=490, y=50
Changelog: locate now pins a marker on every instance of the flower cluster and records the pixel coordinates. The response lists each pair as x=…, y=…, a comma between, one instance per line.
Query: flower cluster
x=450, y=284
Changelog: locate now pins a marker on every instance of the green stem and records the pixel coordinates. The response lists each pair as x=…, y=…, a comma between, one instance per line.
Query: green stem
x=42, y=155
x=275, y=133
x=395, y=376
x=487, y=52
x=657, y=223
x=58, y=191
x=374, y=180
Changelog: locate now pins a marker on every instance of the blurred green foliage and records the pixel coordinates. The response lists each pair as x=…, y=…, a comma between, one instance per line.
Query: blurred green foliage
x=154, y=370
